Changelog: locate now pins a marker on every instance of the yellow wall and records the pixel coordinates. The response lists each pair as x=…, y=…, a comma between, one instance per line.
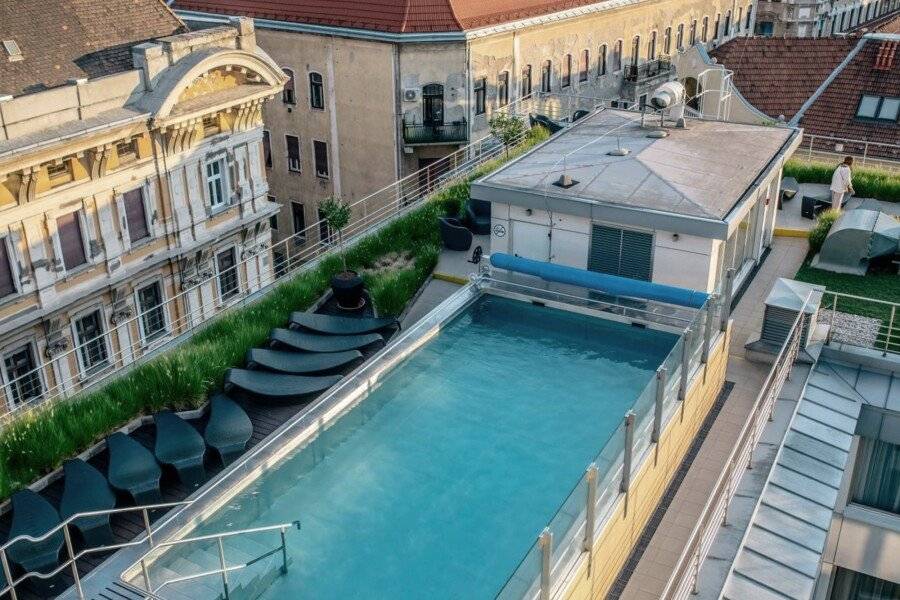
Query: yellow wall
x=624, y=527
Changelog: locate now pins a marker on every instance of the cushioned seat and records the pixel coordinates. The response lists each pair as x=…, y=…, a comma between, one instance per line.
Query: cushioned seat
x=453, y=235
x=331, y=325
x=34, y=516
x=180, y=446
x=300, y=363
x=277, y=388
x=86, y=490
x=132, y=469
x=229, y=428
x=478, y=213
x=309, y=342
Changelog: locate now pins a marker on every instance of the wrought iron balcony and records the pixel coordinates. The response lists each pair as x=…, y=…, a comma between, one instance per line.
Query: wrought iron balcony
x=448, y=133
x=648, y=70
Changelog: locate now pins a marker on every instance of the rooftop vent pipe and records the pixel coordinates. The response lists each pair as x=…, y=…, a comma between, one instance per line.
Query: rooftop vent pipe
x=672, y=96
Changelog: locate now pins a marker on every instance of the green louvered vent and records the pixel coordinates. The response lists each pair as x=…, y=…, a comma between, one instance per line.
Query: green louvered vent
x=621, y=252
x=777, y=322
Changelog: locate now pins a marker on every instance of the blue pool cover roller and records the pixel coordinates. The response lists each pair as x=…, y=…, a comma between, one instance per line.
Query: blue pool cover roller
x=601, y=282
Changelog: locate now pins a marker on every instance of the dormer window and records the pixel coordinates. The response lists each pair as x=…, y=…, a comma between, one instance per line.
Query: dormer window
x=126, y=151
x=211, y=125
x=878, y=108
x=59, y=173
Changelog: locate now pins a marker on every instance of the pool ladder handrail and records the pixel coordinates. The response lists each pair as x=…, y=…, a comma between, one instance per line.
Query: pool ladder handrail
x=72, y=559
x=224, y=568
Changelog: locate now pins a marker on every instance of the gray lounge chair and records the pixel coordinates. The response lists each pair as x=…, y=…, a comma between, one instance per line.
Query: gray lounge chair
x=180, y=446
x=331, y=325
x=308, y=342
x=229, y=428
x=34, y=516
x=454, y=235
x=275, y=387
x=132, y=469
x=478, y=216
x=299, y=363
x=86, y=490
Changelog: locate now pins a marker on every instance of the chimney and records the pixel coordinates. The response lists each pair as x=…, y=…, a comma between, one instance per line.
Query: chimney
x=884, y=59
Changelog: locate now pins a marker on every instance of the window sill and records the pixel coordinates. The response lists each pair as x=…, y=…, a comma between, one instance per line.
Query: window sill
x=155, y=341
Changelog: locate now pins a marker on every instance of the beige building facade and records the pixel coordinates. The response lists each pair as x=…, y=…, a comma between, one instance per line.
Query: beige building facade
x=133, y=205
x=367, y=107
x=818, y=18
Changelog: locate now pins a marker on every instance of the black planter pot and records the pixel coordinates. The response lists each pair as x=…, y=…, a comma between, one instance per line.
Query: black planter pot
x=347, y=288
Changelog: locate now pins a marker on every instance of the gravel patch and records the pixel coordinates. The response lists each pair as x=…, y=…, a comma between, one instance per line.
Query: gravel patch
x=852, y=329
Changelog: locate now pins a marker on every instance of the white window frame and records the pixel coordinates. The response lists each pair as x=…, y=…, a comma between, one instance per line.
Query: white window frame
x=54, y=216
x=224, y=179
x=83, y=371
x=14, y=273
x=4, y=377
x=287, y=149
x=123, y=216
x=166, y=330
x=237, y=270
x=312, y=145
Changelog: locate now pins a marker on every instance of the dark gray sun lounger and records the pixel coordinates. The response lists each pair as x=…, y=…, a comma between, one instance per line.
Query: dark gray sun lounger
x=132, y=469
x=229, y=428
x=331, y=325
x=181, y=446
x=299, y=363
x=34, y=516
x=86, y=490
x=310, y=342
x=275, y=387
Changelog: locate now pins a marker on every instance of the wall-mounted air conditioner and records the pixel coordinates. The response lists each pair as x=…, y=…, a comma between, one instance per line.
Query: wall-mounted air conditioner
x=410, y=94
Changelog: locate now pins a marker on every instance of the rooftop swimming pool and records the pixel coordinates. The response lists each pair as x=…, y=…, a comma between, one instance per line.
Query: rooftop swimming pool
x=439, y=480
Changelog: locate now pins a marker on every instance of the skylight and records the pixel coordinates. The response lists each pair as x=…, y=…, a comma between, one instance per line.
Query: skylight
x=13, y=51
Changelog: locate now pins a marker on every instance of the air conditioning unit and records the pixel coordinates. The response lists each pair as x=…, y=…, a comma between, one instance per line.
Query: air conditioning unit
x=410, y=94
x=783, y=305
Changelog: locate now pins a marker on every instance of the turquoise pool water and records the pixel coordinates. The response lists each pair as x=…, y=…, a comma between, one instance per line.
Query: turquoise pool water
x=438, y=483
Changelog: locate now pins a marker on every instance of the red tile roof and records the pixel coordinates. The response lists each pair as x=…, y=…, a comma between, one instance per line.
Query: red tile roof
x=777, y=75
x=66, y=39
x=874, y=71
x=394, y=16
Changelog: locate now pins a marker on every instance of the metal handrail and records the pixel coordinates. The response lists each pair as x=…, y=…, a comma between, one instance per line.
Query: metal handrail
x=224, y=568
x=73, y=557
x=888, y=343
x=715, y=511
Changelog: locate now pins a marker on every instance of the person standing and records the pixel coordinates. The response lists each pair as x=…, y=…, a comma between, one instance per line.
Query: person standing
x=842, y=183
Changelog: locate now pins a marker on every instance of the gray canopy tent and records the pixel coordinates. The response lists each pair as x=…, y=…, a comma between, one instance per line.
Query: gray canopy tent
x=857, y=237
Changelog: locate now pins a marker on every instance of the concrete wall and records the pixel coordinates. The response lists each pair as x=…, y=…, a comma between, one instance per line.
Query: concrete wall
x=868, y=541
x=681, y=260
x=598, y=569
x=817, y=18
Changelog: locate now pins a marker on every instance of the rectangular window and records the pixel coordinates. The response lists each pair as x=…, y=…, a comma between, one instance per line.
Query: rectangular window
x=320, y=155
x=876, y=476
x=718, y=24
x=215, y=182
x=503, y=88
x=601, y=61
x=279, y=260
x=152, y=312
x=693, y=35
x=617, y=56
x=71, y=241
x=298, y=218
x=267, y=149
x=889, y=109
x=651, y=47
x=226, y=265
x=135, y=215
x=667, y=41
x=23, y=379
x=273, y=222
x=288, y=95
x=316, y=92
x=324, y=232
x=585, y=66
x=750, y=16
x=92, y=350
x=704, y=31
x=679, y=41
x=621, y=252
x=567, y=71
x=293, y=152
x=545, y=75
x=850, y=585
x=7, y=281
x=526, y=81
x=126, y=151
x=480, y=91
x=868, y=107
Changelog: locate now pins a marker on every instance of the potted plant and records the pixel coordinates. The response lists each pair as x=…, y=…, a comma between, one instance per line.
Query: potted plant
x=347, y=286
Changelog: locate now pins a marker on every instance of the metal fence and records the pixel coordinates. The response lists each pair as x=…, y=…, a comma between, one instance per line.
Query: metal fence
x=683, y=581
x=574, y=528
x=862, y=322
x=830, y=149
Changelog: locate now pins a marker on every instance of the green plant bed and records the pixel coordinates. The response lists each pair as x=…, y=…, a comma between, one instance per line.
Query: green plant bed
x=183, y=377
x=880, y=285
x=868, y=182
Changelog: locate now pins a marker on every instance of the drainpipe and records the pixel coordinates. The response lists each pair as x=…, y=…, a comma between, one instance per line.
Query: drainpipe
x=398, y=111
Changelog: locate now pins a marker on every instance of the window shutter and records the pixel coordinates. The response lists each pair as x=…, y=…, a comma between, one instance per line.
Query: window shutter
x=70, y=240
x=7, y=285
x=135, y=215
x=621, y=252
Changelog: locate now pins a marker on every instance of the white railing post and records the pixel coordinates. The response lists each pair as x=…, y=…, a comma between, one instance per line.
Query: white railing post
x=284, y=557
x=146, y=515
x=629, y=450
x=685, y=363
x=223, y=566
x=546, y=542
x=590, y=520
x=661, y=379
x=708, y=328
x=7, y=573
x=890, y=330
x=831, y=321
x=146, y=573
x=726, y=301
x=70, y=551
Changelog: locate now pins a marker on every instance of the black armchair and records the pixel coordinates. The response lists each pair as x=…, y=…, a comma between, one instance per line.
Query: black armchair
x=478, y=214
x=454, y=235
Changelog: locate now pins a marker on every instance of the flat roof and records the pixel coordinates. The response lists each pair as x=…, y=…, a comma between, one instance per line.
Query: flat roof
x=700, y=172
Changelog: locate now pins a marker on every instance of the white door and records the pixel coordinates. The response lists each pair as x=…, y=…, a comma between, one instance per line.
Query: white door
x=569, y=248
x=531, y=241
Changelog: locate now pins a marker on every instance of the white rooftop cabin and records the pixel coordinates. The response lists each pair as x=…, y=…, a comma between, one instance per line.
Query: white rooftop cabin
x=678, y=209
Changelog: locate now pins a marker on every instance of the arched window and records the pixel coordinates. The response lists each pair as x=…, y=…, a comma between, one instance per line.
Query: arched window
x=704, y=31
x=749, y=16
x=567, y=71
x=651, y=47
x=601, y=61
x=716, y=31
x=679, y=41
x=636, y=51
x=667, y=41
x=585, y=65
x=433, y=104
x=526, y=82
x=545, y=75
x=316, y=91
x=503, y=88
x=617, y=56
x=727, y=31
x=693, y=37
x=287, y=94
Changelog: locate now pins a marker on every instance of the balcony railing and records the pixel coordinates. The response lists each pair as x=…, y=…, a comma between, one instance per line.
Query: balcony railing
x=648, y=70
x=447, y=133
